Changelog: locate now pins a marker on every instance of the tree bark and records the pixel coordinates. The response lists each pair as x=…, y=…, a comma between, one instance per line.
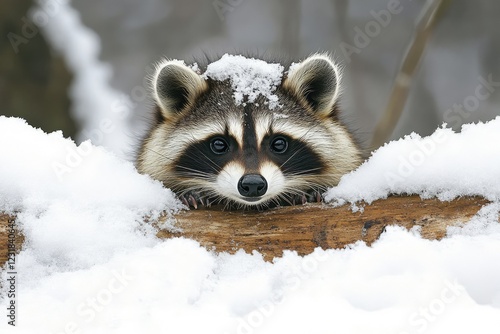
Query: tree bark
x=303, y=228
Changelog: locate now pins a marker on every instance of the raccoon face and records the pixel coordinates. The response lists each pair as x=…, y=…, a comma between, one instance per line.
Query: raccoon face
x=247, y=133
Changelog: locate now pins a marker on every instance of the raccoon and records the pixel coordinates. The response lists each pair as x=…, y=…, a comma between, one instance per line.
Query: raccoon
x=247, y=133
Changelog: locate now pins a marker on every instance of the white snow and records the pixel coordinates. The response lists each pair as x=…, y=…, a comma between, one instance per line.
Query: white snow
x=90, y=265
x=73, y=201
x=280, y=116
x=248, y=76
x=445, y=164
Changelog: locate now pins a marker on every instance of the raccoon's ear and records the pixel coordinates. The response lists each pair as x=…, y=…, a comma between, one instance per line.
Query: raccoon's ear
x=176, y=86
x=316, y=82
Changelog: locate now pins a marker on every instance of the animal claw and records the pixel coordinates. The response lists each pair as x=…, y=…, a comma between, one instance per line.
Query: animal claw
x=193, y=202
x=184, y=200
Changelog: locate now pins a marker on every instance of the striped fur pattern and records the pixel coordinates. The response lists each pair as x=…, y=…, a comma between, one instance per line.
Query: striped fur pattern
x=204, y=145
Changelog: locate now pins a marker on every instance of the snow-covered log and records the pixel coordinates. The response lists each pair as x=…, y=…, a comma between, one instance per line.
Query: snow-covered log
x=89, y=218
x=303, y=228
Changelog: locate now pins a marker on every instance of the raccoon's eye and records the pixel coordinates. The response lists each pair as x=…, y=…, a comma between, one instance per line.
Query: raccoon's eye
x=279, y=145
x=219, y=146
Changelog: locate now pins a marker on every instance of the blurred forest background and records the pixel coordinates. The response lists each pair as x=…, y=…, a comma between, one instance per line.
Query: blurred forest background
x=464, y=47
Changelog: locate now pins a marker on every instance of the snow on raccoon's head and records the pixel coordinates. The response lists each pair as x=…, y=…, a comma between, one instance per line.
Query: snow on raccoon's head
x=248, y=132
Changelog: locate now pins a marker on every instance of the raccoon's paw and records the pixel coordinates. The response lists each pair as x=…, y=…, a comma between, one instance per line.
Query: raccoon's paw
x=312, y=196
x=193, y=200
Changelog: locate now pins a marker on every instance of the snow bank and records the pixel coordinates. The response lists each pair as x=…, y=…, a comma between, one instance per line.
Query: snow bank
x=73, y=200
x=446, y=165
x=248, y=76
x=91, y=266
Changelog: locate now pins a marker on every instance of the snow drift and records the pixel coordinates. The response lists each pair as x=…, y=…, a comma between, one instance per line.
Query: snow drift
x=91, y=264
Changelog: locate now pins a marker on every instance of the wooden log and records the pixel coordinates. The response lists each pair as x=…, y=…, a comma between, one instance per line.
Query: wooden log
x=303, y=228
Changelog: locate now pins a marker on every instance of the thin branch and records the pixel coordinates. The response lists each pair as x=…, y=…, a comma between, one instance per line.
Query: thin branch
x=429, y=17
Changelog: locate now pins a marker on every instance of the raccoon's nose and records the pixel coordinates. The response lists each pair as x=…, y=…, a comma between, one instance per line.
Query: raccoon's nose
x=252, y=185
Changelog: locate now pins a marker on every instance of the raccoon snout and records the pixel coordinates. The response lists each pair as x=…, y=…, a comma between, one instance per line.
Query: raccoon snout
x=252, y=185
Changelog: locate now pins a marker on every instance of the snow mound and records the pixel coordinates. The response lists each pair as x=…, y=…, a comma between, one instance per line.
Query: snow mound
x=444, y=165
x=248, y=76
x=71, y=199
x=91, y=265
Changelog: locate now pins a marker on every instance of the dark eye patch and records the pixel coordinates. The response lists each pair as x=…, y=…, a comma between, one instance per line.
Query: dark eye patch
x=207, y=157
x=294, y=158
